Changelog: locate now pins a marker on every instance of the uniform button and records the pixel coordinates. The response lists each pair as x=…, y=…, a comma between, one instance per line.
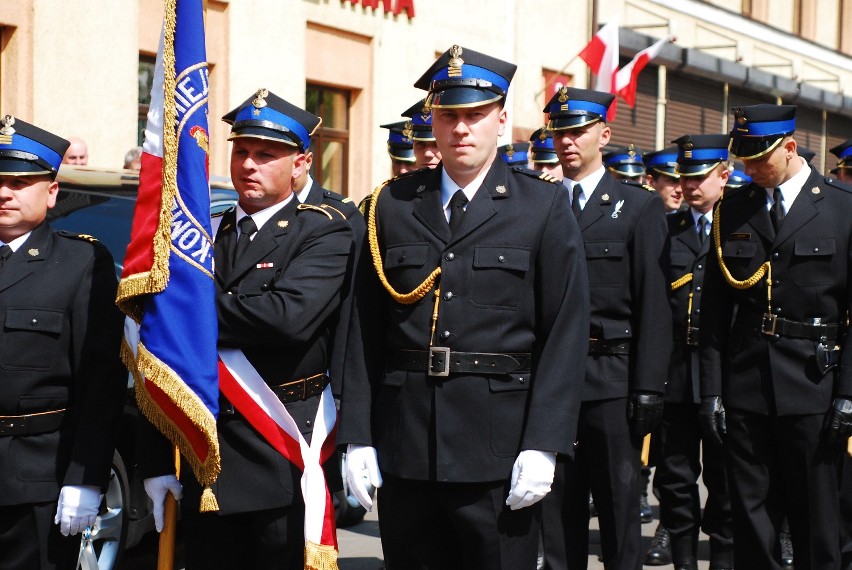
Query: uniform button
x=501, y=258
x=445, y=335
x=697, y=311
x=401, y=258
x=34, y=322
x=450, y=256
x=697, y=289
x=308, y=423
x=816, y=249
x=739, y=250
x=775, y=255
x=264, y=287
x=521, y=379
x=776, y=310
x=448, y=295
x=606, y=250
x=700, y=266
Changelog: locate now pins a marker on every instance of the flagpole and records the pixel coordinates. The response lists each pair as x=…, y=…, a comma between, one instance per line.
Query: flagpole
x=166, y=554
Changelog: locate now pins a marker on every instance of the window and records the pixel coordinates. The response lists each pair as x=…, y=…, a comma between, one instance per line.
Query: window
x=330, y=141
x=146, y=81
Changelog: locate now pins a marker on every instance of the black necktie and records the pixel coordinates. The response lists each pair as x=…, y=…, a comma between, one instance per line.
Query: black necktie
x=575, y=200
x=5, y=252
x=247, y=229
x=776, y=211
x=457, y=204
x=702, y=229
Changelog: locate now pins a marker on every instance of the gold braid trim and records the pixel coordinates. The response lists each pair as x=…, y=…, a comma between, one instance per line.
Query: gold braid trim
x=764, y=269
x=146, y=365
x=372, y=235
x=156, y=279
x=677, y=284
x=320, y=556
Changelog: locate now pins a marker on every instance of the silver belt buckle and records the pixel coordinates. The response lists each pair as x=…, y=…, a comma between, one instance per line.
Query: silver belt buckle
x=439, y=361
x=768, y=324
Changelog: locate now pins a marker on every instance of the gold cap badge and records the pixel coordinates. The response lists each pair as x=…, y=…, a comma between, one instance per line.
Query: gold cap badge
x=259, y=101
x=563, y=94
x=456, y=62
x=510, y=151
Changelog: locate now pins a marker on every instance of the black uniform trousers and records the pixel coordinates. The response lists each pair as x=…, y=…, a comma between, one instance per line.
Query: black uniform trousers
x=24, y=532
x=607, y=462
x=271, y=539
x=846, y=512
x=678, y=468
x=781, y=466
x=447, y=526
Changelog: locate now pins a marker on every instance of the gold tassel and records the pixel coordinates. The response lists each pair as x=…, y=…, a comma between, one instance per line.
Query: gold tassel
x=209, y=504
x=320, y=556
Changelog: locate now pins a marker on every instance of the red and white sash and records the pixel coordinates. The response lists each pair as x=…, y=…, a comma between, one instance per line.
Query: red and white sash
x=246, y=390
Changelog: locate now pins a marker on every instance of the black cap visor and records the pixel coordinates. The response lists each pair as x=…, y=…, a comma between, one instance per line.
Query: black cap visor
x=544, y=157
x=19, y=163
x=666, y=170
x=750, y=148
x=461, y=96
x=627, y=169
x=572, y=121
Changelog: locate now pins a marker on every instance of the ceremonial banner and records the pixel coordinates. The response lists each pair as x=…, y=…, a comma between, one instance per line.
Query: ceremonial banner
x=167, y=284
x=601, y=55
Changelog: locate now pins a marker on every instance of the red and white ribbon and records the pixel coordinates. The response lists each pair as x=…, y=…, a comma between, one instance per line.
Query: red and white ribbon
x=246, y=390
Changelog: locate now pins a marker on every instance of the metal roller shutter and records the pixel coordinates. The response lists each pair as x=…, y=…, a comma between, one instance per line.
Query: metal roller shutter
x=638, y=125
x=809, y=132
x=694, y=107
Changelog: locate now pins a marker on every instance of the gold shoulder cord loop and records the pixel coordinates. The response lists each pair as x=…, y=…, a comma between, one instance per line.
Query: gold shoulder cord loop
x=764, y=269
x=403, y=298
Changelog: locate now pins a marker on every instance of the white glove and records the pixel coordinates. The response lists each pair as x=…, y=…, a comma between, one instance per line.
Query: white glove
x=156, y=489
x=77, y=508
x=362, y=473
x=532, y=476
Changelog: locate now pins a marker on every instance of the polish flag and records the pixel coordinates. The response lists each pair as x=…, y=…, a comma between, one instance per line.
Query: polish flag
x=627, y=77
x=601, y=55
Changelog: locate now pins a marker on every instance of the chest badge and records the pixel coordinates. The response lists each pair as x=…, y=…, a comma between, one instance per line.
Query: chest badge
x=815, y=190
x=33, y=252
x=283, y=223
x=501, y=189
x=617, y=209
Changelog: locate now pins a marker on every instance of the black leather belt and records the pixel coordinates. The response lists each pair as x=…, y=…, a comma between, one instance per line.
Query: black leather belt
x=598, y=346
x=32, y=424
x=441, y=361
x=300, y=389
x=771, y=325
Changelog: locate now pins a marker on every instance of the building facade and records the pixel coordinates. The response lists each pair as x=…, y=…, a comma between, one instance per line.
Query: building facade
x=83, y=68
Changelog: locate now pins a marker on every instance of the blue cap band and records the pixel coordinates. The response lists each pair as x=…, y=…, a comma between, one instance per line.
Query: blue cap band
x=766, y=129
x=706, y=154
x=659, y=159
x=24, y=144
x=545, y=145
x=624, y=158
x=248, y=113
x=517, y=157
x=397, y=138
x=579, y=105
x=474, y=72
x=846, y=152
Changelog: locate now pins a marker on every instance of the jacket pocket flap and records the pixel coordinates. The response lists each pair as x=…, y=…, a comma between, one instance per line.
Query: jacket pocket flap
x=514, y=258
x=616, y=329
x=815, y=247
x=406, y=255
x=601, y=249
x=682, y=259
x=41, y=320
x=739, y=249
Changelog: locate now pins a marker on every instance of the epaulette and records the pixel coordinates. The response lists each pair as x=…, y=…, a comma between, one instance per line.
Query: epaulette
x=336, y=196
x=838, y=184
x=322, y=209
x=364, y=204
x=645, y=187
x=72, y=235
x=218, y=214
x=536, y=174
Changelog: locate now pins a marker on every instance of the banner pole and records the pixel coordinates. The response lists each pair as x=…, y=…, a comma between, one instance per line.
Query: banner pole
x=166, y=554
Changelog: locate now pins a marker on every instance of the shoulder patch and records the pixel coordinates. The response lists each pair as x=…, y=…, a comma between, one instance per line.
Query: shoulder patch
x=84, y=237
x=535, y=174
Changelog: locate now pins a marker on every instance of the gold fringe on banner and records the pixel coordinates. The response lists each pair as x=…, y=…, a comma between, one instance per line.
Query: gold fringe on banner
x=320, y=557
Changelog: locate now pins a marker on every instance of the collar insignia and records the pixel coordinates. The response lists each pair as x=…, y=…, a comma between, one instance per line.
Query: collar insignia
x=33, y=252
x=500, y=189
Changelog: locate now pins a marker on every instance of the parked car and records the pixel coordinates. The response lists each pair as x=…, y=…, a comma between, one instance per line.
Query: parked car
x=100, y=202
